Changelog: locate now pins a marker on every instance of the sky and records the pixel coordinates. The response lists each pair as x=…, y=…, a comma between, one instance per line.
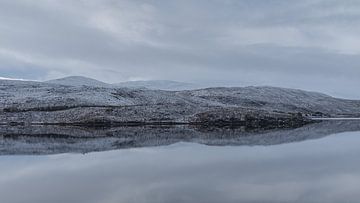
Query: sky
x=309, y=44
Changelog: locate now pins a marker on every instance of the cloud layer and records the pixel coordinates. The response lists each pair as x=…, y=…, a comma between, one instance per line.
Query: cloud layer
x=310, y=44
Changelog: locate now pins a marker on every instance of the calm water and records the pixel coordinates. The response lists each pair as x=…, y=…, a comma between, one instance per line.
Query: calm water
x=326, y=169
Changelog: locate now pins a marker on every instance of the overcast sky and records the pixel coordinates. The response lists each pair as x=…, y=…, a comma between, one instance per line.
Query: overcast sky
x=307, y=44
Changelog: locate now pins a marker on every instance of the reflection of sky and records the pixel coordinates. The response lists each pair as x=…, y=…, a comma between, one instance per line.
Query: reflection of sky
x=324, y=170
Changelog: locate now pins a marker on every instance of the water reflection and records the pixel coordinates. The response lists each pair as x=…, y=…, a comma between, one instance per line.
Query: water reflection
x=40, y=140
x=321, y=170
x=267, y=166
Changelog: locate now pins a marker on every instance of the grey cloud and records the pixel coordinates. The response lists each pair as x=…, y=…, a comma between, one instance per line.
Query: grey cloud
x=311, y=44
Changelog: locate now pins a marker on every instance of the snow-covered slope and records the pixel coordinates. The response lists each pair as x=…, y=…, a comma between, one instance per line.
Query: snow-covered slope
x=281, y=99
x=26, y=102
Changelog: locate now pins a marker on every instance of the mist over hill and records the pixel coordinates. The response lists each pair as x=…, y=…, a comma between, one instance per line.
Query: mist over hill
x=148, y=84
x=78, y=81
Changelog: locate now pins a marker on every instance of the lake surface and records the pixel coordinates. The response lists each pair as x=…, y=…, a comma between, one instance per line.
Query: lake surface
x=263, y=167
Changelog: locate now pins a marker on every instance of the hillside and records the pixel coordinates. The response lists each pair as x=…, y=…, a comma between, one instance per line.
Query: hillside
x=25, y=102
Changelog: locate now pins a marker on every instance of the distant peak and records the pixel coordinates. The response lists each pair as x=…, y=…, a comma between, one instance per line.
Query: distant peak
x=78, y=81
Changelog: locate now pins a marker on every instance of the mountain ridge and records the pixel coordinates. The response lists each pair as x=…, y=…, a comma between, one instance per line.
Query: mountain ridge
x=141, y=84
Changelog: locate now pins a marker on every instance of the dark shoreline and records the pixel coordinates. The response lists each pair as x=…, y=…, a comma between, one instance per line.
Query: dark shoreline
x=253, y=123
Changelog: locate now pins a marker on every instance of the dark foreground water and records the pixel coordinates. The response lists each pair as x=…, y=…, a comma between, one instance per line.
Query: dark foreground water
x=323, y=167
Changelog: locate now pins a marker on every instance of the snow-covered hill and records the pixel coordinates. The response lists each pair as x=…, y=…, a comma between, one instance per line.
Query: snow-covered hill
x=26, y=102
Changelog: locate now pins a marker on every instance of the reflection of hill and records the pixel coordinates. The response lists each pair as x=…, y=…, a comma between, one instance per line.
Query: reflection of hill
x=38, y=140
